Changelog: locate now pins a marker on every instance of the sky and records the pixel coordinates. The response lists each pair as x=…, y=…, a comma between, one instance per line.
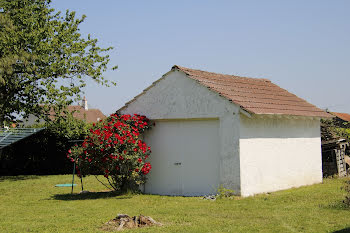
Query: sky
x=302, y=46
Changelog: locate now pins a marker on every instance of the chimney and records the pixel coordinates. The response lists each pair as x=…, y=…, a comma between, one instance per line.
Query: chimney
x=84, y=104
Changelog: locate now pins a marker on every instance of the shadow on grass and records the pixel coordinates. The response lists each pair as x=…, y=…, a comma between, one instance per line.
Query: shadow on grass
x=345, y=230
x=338, y=205
x=90, y=196
x=17, y=178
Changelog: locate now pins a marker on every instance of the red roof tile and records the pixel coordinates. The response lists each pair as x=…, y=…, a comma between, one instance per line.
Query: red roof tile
x=343, y=116
x=258, y=96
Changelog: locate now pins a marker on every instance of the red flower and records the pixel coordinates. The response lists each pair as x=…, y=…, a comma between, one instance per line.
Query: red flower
x=146, y=168
x=115, y=144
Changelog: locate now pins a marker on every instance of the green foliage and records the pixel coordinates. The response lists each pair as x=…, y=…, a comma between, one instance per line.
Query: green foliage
x=331, y=129
x=67, y=126
x=41, y=153
x=114, y=148
x=224, y=192
x=44, y=152
x=343, y=132
x=44, y=60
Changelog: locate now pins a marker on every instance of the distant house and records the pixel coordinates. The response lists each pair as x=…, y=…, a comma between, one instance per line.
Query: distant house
x=81, y=112
x=341, y=118
x=335, y=149
x=212, y=129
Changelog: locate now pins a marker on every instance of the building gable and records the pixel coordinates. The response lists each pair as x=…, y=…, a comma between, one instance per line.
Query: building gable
x=176, y=96
x=252, y=95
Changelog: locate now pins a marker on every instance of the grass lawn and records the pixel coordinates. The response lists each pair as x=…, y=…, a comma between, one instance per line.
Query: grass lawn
x=33, y=204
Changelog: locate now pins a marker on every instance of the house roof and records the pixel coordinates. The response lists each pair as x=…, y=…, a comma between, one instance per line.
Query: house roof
x=343, y=116
x=253, y=95
x=90, y=115
x=257, y=96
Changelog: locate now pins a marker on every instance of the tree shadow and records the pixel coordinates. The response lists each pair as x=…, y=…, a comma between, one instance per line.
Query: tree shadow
x=90, y=196
x=19, y=177
x=345, y=230
x=337, y=205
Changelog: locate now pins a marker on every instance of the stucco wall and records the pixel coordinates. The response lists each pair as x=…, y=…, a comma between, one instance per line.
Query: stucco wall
x=279, y=153
x=177, y=97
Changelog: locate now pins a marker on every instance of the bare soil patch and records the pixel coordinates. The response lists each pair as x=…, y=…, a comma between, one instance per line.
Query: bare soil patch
x=124, y=221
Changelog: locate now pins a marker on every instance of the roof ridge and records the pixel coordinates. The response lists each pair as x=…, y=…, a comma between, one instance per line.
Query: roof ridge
x=254, y=95
x=184, y=69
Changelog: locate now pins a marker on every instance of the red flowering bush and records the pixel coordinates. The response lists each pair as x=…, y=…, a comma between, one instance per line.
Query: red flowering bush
x=113, y=147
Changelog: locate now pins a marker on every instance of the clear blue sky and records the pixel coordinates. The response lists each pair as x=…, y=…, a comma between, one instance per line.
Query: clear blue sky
x=303, y=46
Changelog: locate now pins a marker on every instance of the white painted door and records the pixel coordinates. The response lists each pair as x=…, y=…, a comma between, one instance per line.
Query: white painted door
x=185, y=157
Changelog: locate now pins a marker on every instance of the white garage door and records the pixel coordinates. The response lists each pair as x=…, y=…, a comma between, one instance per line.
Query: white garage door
x=185, y=158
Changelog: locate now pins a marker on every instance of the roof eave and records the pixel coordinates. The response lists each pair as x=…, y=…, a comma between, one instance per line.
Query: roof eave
x=245, y=112
x=293, y=116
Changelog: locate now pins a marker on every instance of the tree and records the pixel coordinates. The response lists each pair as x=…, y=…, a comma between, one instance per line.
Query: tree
x=44, y=60
x=114, y=148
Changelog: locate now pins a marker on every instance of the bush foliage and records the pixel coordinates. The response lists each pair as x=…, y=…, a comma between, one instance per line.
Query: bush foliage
x=44, y=152
x=114, y=147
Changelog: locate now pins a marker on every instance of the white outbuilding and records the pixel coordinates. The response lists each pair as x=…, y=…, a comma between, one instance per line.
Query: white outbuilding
x=246, y=134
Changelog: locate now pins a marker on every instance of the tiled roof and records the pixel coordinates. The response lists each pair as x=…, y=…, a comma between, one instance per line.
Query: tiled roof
x=90, y=115
x=343, y=116
x=258, y=96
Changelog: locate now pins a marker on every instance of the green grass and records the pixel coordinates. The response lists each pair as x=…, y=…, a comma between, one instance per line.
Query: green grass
x=33, y=204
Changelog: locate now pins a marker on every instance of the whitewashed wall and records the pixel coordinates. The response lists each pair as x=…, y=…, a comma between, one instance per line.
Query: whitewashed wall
x=176, y=97
x=279, y=153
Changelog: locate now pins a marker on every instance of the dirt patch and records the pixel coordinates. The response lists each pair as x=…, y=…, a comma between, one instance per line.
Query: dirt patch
x=124, y=221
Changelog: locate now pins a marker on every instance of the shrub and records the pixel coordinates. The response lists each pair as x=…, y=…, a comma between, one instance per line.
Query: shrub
x=44, y=153
x=113, y=147
x=224, y=192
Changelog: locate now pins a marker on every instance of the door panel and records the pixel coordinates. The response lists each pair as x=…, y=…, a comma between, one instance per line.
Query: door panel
x=185, y=157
